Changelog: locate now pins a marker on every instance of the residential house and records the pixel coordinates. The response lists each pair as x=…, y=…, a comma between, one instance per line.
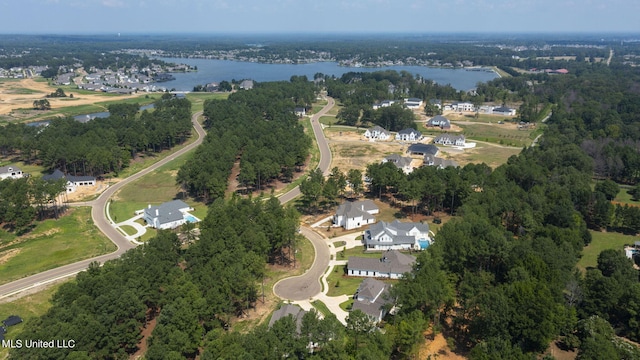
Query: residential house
x=463, y=106
x=392, y=264
x=385, y=103
x=402, y=163
x=412, y=103
x=397, y=236
x=430, y=160
x=436, y=102
x=353, y=214
x=246, y=84
x=73, y=182
x=10, y=172
x=12, y=320
x=168, y=215
x=377, y=133
x=439, y=121
x=372, y=298
x=450, y=140
x=422, y=149
x=503, y=110
x=300, y=111
x=288, y=310
x=409, y=134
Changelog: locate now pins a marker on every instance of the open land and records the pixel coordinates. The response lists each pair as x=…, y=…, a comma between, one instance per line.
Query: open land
x=602, y=241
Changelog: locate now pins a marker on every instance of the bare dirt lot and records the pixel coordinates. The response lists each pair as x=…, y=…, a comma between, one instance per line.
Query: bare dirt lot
x=21, y=94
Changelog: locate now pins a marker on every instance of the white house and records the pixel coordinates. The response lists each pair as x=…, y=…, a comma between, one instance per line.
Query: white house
x=502, y=110
x=354, y=214
x=397, y=236
x=409, y=134
x=412, y=103
x=73, y=182
x=450, y=140
x=167, y=215
x=10, y=172
x=431, y=160
x=384, y=103
x=377, y=133
x=288, y=310
x=392, y=264
x=371, y=298
x=402, y=163
x=300, y=111
x=463, y=106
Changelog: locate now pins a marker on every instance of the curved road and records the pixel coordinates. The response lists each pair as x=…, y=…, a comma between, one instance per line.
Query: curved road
x=99, y=218
x=308, y=284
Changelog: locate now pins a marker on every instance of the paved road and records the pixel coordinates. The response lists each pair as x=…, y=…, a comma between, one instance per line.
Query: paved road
x=325, y=153
x=308, y=284
x=99, y=218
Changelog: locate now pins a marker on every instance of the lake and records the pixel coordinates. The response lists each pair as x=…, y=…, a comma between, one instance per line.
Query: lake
x=218, y=70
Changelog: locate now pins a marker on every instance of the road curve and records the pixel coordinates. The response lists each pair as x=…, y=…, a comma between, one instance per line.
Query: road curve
x=100, y=220
x=308, y=284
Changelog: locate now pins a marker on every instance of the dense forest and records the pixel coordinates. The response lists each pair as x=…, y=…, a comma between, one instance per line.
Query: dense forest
x=260, y=129
x=500, y=279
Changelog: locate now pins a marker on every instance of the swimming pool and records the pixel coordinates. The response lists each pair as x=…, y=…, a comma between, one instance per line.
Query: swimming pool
x=190, y=218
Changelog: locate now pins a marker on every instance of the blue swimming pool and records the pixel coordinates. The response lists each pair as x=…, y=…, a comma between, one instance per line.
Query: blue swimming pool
x=423, y=244
x=190, y=218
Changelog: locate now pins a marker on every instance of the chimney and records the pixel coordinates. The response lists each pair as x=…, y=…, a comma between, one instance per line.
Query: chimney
x=149, y=206
x=157, y=212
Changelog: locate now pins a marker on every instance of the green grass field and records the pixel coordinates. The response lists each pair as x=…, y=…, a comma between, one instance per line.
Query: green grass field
x=50, y=244
x=198, y=99
x=602, y=241
x=626, y=198
x=347, y=285
x=490, y=155
x=321, y=307
x=497, y=135
x=28, y=308
x=357, y=251
x=328, y=120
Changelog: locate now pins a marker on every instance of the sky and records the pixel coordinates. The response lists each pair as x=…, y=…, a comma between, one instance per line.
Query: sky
x=317, y=16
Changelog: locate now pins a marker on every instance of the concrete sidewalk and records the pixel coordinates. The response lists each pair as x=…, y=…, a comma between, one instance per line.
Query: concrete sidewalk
x=140, y=229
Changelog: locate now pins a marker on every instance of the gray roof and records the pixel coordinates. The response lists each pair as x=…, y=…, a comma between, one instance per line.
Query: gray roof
x=379, y=129
x=398, y=231
x=413, y=100
x=423, y=149
x=391, y=261
x=398, y=160
x=440, y=162
x=410, y=131
x=57, y=175
x=8, y=169
x=288, y=310
x=439, y=120
x=371, y=286
x=452, y=138
x=503, y=109
x=167, y=212
x=353, y=209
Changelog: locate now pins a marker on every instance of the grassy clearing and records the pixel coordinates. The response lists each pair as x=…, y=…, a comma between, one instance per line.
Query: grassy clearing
x=28, y=308
x=347, y=305
x=626, y=198
x=497, y=135
x=491, y=155
x=356, y=251
x=305, y=253
x=31, y=169
x=129, y=230
x=198, y=99
x=52, y=243
x=328, y=120
x=602, y=241
x=322, y=307
x=481, y=119
x=340, y=284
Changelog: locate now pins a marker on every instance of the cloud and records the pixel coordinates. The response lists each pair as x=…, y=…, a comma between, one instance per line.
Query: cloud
x=113, y=3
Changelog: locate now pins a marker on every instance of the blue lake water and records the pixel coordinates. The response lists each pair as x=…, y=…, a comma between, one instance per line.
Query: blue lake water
x=219, y=70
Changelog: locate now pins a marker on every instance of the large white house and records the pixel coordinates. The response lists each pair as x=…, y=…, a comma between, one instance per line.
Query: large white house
x=463, y=106
x=430, y=160
x=377, y=133
x=413, y=103
x=397, y=236
x=371, y=298
x=451, y=140
x=392, y=264
x=385, y=103
x=168, y=215
x=10, y=172
x=408, y=134
x=439, y=121
x=353, y=214
x=503, y=110
x=73, y=182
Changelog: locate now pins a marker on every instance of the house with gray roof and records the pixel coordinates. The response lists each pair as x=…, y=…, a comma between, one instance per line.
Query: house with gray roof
x=397, y=236
x=439, y=121
x=392, y=264
x=450, y=140
x=10, y=172
x=353, y=214
x=168, y=215
x=430, y=160
x=503, y=110
x=384, y=103
x=422, y=149
x=372, y=298
x=409, y=134
x=73, y=182
x=402, y=163
x=246, y=84
x=413, y=103
x=288, y=310
x=377, y=133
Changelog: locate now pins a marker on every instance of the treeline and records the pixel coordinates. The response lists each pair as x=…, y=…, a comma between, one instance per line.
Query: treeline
x=25, y=199
x=258, y=128
x=104, y=145
x=192, y=293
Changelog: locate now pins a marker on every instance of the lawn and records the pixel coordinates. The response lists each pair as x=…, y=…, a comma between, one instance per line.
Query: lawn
x=602, y=241
x=347, y=285
x=625, y=198
x=328, y=120
x=322, y=307
x=357, y=251
x=28, y=308
x=347, y=305
x=50, y=244
x=491, y=155
x=129, y=230
x=198, y=99
x=497, y=135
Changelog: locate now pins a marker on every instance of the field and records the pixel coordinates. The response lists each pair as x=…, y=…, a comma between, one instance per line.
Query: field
x=50, y=244
x=625, y=198
x=602, y=241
